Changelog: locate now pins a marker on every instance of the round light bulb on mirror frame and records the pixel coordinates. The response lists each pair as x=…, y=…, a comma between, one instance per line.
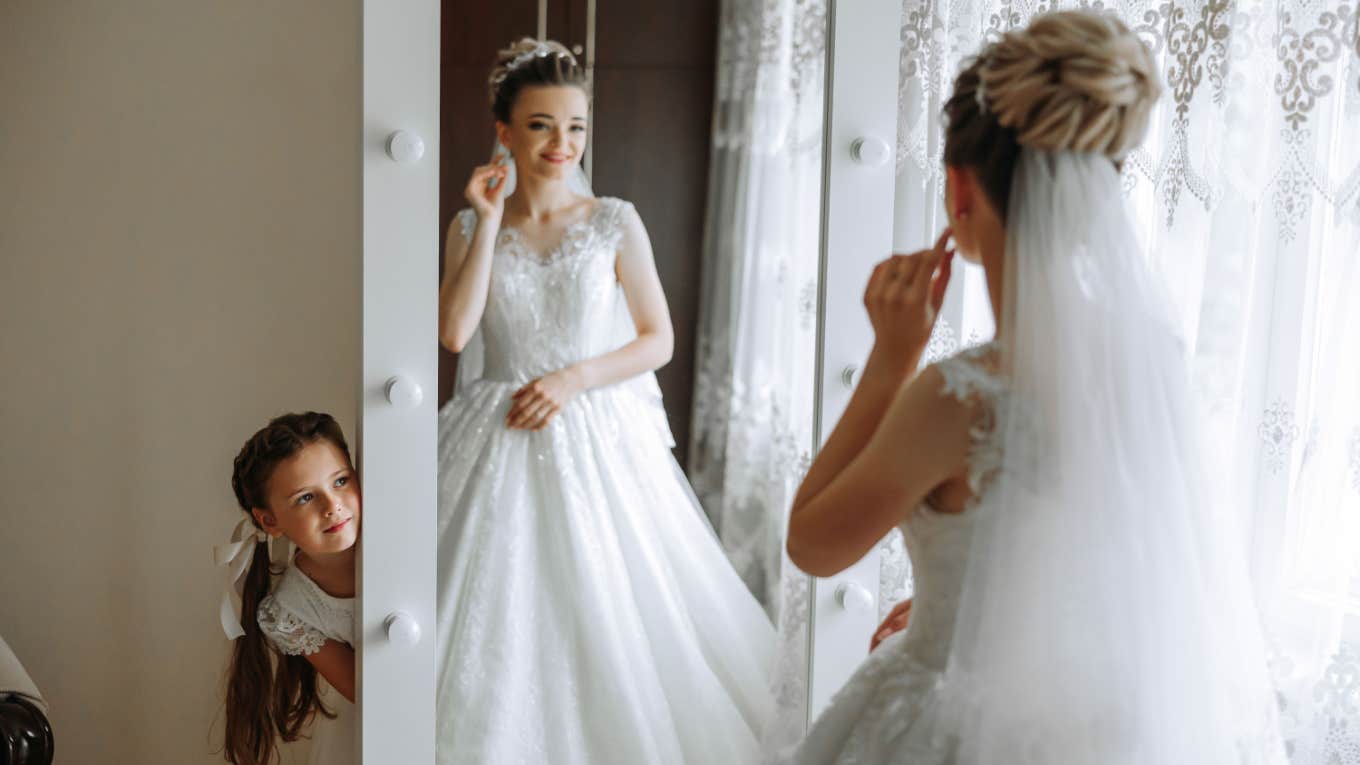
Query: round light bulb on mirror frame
x=852, y=596
x=405, y=147
x=402, y=629
x=402, y=392
x=870, y=151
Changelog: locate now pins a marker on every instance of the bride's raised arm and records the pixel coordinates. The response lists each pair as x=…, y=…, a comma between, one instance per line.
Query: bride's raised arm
x=467, y=258
x=899, y=437
x=921, y=441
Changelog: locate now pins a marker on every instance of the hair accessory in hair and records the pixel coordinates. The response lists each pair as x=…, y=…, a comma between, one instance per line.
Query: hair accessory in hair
x=236, y=556
x=980, y=92
x=540, y=50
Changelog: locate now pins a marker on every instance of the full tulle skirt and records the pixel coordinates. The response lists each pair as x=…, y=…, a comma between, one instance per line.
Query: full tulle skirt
x=586, y=612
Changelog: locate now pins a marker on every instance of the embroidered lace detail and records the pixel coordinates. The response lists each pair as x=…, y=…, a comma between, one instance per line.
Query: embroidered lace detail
x=547, y=310
x=966, y=376
x=600, y=230
x=299, y=617
x=286, y=631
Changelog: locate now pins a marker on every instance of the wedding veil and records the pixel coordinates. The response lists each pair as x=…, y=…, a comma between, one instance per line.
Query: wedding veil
x=1106, y=614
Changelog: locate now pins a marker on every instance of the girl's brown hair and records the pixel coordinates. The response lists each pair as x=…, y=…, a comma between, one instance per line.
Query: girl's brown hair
x=270, y=696
x=532, y=63
x=1070, y=81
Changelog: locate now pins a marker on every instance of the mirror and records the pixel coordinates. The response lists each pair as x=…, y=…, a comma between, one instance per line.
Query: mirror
x=606, y=531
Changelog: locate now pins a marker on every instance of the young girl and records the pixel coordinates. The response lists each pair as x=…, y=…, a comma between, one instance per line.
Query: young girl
x=293, y=479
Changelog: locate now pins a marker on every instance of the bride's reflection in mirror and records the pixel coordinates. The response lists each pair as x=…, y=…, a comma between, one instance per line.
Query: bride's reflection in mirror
x=586, y=611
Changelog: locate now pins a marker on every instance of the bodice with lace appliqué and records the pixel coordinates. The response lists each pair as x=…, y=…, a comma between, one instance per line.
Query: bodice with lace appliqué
x=887, y=711
x=938, y=542
x=545, y=311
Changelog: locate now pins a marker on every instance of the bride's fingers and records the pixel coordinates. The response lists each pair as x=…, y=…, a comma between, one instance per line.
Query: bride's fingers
x=533, y=412
x=904, y=266
x=482, y=172
x=546, y=418
x=891, y=625
x=940, y=284
x=877, y=279
x=940, y=244
x=542, y=420
x=519, y=411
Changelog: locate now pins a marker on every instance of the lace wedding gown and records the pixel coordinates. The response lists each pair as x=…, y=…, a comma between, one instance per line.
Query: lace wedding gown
x=586, y=612
x=884, y=713
x=893, y=711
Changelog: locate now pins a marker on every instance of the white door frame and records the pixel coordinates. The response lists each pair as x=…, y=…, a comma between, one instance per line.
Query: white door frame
x=857, y=232
x=397, y=425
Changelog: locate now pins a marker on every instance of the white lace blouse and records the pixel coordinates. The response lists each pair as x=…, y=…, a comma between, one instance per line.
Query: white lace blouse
x=298, y=616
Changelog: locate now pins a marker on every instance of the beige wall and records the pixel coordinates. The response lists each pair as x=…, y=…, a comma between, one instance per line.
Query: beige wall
x=179, y=260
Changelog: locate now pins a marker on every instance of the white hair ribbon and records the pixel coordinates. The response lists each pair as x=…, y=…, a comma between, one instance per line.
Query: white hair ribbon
x=236, y=556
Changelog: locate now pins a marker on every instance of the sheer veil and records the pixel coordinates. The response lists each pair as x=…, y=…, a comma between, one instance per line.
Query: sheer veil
x=1106, y=614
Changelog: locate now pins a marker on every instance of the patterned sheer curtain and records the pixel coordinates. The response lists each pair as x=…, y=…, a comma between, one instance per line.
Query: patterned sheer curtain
x=752, y=424
x=1248, y=196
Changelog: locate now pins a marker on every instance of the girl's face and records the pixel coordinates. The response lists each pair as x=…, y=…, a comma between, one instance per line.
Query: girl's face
x=313, y=500
x=547, y=131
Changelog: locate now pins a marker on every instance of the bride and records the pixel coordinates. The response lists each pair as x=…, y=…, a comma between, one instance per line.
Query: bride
x=586, y=612
x=1079, y=597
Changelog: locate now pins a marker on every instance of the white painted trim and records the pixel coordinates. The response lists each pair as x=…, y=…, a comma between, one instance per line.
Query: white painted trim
x=396, y=446
x=857, y=228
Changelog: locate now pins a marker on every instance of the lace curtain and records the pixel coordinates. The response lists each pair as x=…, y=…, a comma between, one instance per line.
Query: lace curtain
x=1247, y=192
x=752, y=423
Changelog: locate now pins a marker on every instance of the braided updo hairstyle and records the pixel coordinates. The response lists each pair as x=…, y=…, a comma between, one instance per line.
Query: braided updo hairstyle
x=530, y=63
x=1070, y=81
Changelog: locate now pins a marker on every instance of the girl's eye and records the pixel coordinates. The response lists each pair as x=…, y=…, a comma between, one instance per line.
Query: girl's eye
x=578, y=129
x=305, y=498
x=342, y=480
x=537, y=126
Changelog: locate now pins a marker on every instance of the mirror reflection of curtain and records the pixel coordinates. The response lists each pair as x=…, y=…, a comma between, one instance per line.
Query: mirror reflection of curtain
x=752, y=423
x=1247, y=193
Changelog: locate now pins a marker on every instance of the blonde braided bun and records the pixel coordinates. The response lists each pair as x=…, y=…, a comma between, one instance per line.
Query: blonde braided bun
x=1073, y=81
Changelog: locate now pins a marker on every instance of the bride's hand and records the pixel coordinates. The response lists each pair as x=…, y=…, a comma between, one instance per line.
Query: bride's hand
x=488, y=201
x=903, y=299
x=896, y=622
x=533, y=406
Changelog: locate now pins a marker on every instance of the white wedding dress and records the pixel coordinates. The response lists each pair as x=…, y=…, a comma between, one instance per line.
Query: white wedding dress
x=885, y=712
x=586, y=612
x=1091, y=605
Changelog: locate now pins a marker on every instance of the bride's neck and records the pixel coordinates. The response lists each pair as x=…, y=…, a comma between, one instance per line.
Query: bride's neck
x=538, y=199
x=993, y=269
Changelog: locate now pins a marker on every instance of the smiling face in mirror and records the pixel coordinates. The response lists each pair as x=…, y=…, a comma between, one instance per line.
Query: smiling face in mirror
x=547, y=131
x=314, y=501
